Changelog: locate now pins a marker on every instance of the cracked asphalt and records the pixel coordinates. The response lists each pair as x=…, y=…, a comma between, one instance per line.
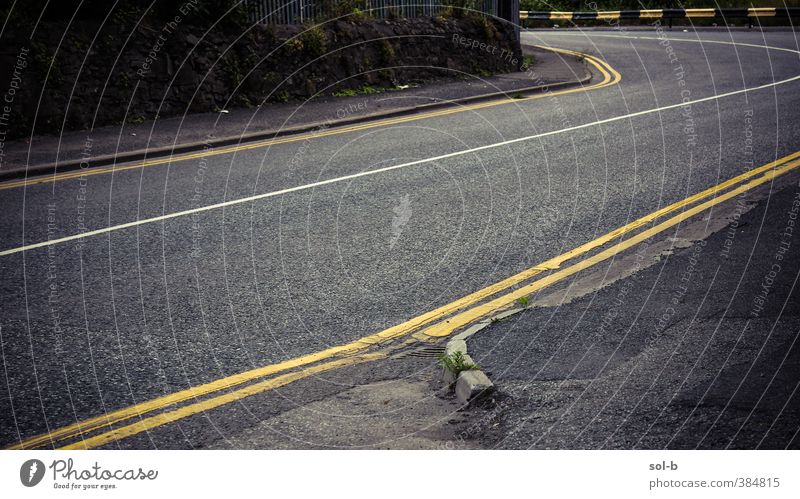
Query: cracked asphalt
x=698, y=351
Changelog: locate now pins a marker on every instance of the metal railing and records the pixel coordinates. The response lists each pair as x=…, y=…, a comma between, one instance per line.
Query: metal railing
x=300, y=11
x=762, y=12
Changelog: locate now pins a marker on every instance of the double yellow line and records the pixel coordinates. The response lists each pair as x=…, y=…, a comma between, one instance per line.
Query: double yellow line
x=609, y=77
x=351, y=350
x=139, y=418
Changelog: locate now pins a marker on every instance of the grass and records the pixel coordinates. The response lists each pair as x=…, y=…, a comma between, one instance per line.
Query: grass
x=386, y=52
x=364, y=90
x=134, y=119
x=527, y=61
x=455, y=363
x=358, y=15
x=314, y=41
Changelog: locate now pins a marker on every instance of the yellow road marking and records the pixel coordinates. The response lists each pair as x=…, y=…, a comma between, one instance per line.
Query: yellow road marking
x=404, y=329
x=115, y=417
x=610, y=77
x=205, y=405
x=442, y=329
x=446, y=327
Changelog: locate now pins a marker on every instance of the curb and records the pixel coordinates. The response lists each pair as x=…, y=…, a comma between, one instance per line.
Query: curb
x=164, y=151
x=472, y=384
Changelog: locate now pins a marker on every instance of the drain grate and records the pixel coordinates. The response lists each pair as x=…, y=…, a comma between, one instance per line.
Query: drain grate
x=424, y=352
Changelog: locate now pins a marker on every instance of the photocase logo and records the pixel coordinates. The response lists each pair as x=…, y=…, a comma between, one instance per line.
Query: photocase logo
x=31, y=472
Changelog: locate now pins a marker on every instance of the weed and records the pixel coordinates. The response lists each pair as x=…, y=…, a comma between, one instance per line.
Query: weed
x=245, y=101
x=369, y=89
x=232, y=69
x=46, y=63
x=364, y=90
x=523, y=301
x=455, y=363
x=314, y=41
x=457, y=8
x=134, y=119
x=294, y=45
x=517, y=95
x=125, y=80
x=386, y=52
x=358, y=15
x=485, y=25
x=527, y=62
x=347, y=92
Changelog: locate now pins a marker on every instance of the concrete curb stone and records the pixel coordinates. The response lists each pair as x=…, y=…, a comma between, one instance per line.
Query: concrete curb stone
x=473, y=384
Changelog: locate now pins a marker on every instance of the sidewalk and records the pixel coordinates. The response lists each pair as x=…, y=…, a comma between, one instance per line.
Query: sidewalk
x=164, y=137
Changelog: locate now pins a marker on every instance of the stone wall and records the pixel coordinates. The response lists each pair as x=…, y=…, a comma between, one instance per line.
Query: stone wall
x=104, y=75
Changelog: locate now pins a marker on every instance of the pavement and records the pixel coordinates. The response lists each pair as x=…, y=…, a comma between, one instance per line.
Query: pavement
x=198, y=277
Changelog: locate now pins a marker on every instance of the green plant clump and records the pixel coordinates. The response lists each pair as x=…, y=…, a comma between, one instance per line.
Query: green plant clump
x=358, y=15
x=294, y=45
x=364, y=90
x=455, y=363
x=458, y=8
x=486, y=26
x=135, y=119
x=386, y=52
x=314, y=41
x=527, y=62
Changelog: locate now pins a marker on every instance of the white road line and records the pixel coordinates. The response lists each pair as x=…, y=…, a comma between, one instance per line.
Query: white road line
x=257, y=197
x=536, y=34
x=587, y=34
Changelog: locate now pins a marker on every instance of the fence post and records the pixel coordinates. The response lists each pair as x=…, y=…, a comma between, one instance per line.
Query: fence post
x=508, y=11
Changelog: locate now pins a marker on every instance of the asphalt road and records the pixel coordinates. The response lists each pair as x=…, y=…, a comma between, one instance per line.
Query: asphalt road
x=143, y=311
x=697, y=350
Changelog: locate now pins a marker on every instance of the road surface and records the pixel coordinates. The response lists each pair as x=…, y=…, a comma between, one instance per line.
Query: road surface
x=147, y=309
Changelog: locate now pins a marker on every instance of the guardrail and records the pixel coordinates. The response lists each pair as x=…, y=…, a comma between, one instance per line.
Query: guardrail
x=765, y=12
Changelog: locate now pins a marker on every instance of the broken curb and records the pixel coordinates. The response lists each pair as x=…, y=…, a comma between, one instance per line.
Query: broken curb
x=473, y=383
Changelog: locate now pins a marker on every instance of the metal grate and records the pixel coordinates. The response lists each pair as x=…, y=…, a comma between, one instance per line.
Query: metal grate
x=424, y=352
